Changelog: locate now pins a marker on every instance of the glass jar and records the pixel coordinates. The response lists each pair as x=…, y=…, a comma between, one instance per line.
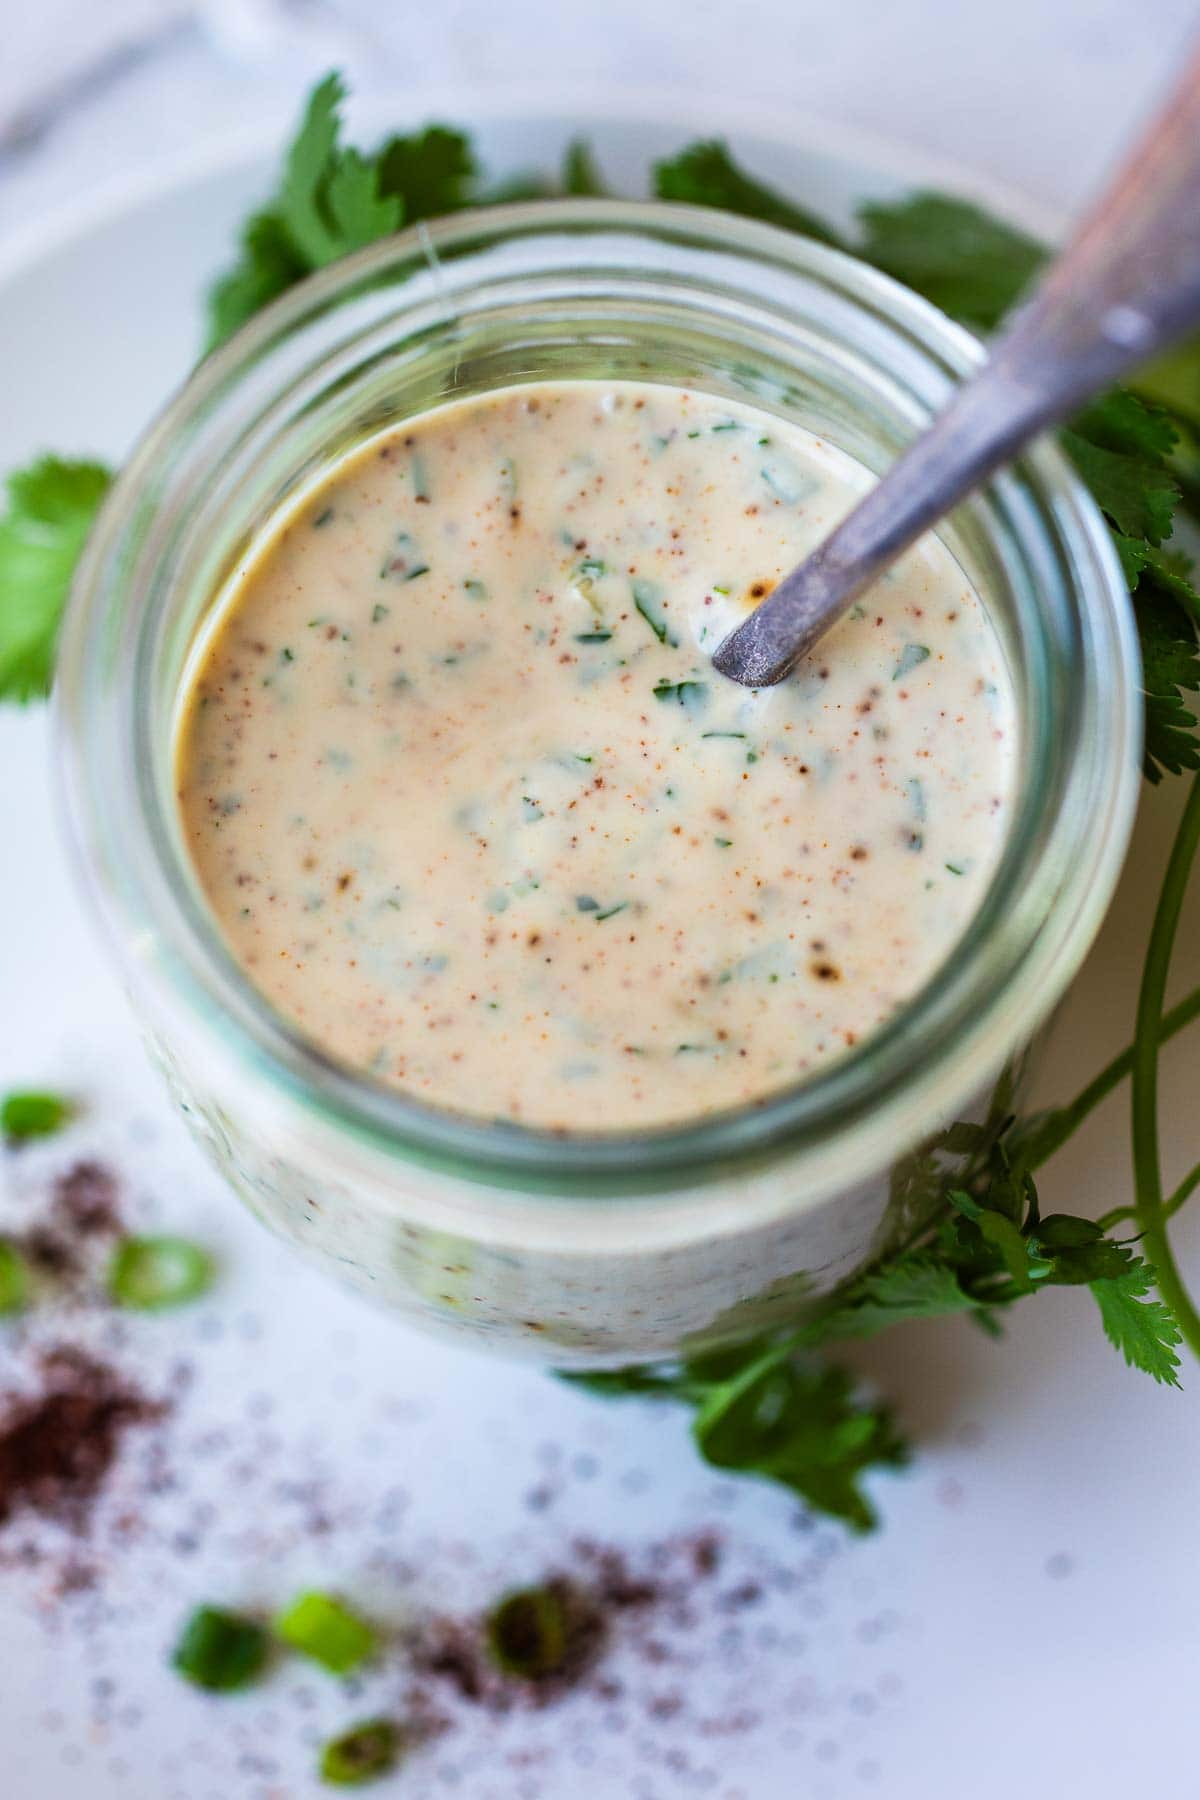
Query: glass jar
x=604, y=1248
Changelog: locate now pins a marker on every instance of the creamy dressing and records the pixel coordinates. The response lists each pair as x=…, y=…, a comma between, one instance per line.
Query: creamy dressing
x=476, y=813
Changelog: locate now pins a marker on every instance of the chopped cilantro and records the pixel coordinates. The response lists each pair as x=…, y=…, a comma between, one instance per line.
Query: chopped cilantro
x=911, y=657
x=647, y=599
x=687, y=693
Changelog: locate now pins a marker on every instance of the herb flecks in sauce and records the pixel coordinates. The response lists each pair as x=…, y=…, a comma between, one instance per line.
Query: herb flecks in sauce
x=616, y=867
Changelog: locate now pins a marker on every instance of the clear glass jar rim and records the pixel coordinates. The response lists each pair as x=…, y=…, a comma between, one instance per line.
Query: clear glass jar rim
x=966, y=1024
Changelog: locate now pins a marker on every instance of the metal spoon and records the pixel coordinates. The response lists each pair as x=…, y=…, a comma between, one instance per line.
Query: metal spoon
x=1127, y=286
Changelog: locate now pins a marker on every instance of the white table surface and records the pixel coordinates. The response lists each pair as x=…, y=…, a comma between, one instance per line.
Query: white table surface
x=1027, y=1621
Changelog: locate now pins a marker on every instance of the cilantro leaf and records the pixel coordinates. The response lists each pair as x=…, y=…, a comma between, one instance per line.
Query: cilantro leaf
x=431, y=172
x=1170, y=671
x=970, y=264
x=916, y=1286
x=1121, y=445
x=705, y=174
x=1120, y=420
x=51, y=506
x=1143, y=1330
x=269, y=264
x=798, y=1424
x=310, y=161
x=1174, y=380
x=358, y=211
x=330, y=201
x=580, y=175
x=1138, y=496
x=767, y=1409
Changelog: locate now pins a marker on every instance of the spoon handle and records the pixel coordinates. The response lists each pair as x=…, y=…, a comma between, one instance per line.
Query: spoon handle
x=1127, y=285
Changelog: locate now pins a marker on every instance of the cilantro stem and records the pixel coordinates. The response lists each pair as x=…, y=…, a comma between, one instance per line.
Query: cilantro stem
x=1147, y=1167
x=1179, y=1198
x=1183, y=1192
x=1065, y=1121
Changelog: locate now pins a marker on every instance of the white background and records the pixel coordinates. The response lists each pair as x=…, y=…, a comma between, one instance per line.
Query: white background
x=1026, y=1622
x=1036, y=91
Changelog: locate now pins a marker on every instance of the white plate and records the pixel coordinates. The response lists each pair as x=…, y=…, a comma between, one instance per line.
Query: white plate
x=1024, y=1623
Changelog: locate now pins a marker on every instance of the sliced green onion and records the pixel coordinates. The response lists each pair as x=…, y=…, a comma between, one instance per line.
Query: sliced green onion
x=32, y=1115
x=148, y=1273
x=219, y=1650
x=527, y=1634
x=361, y=1754
x=14, y=1279
x=319, y=1626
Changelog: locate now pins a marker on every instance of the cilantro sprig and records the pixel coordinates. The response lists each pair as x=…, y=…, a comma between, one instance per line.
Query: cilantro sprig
x=973, y=1237
x=333, y=200
x=51, y=508
x=771, y=1409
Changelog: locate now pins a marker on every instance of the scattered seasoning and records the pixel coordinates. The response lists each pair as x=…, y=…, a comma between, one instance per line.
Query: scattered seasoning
x=85, y=1201
x=58, y=1443
x=661, y=1655
x=362, y=1754
x=59, y=1246
x=220, y=1651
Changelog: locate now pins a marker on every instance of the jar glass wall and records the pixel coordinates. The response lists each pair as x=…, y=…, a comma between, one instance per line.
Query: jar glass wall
x=606, y=1246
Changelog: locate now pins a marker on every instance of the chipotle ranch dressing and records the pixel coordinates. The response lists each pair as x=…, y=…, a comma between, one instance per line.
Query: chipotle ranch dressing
x=476, y=813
